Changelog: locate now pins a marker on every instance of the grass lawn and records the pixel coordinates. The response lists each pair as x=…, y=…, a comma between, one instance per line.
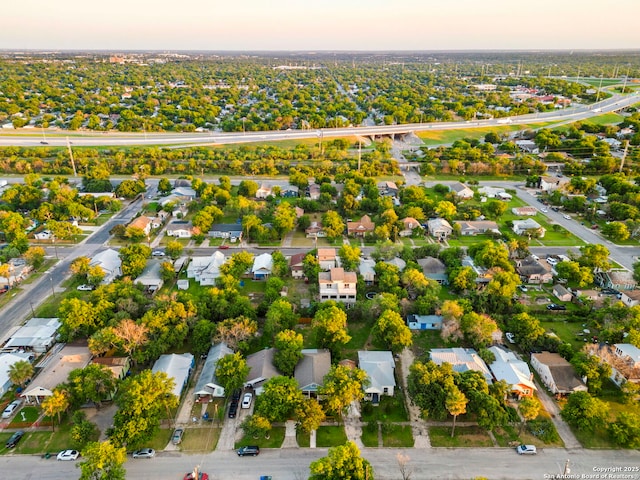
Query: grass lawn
x=369, y=435
x=359, y=332
x=202, y=439
x=331, y=436
x=276, y=437
x=397, y=436
x=303, y=439
x=464, y=437
x=40, y=442
x=606, y=119
x=437, y=137
x=567, y=331
x=390, y=409
x=506, y=435
x=425, y=340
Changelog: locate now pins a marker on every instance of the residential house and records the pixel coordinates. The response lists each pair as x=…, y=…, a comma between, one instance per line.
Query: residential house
x=110, y=263
x=232, y=231
x=524, y=211
x=327, y=258
x=616, y=279
x=367, y=270
x=55, y=369
x=490, y=192
x=263, y=192
x=379, y=367
x=315, y=230
x=528, y=146
x=311, y=370
x=296, y=265
x=299, y=211
x=290, y=191
x=388, y=189
x=151, y=278
x=528, y=227
x=208, y=386
x=630, y=298
x=176, y=366
x=439, y=228
x=409, y=226
x=434, y=269
x=397, y=262
x=261, y=368
x=508, y=367
x=119, y=366
x=424, y=322
x=37, y=335
x=532, y=270
x=504, y=196
x=623, y=358
x=186, y=194
x=6, y=361
x=461, y=360
x=206, y=270
x=461, y=190
x=313, y=192
x=556, y=373
x=143, y=223
x=361, y=227
x=180, y=229
x=262, y=266
x=562, y=293
x=179, y=211
x=338, y=285
x=475, y=227
x=549, y=184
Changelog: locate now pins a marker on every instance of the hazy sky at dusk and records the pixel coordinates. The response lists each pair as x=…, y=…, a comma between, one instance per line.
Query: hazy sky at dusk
x=319, y=25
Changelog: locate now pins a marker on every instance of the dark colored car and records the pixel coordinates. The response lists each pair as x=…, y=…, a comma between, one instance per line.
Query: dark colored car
x=15, y=438
x=233, y=409
x=554, y=306
x=235, y=396
x=251, y=450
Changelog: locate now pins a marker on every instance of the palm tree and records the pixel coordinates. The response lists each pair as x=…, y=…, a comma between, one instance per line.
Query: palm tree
x=20, y=372
x=456, y=404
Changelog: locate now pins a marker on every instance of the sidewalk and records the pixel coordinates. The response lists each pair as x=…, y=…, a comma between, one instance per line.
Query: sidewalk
x=419, y=427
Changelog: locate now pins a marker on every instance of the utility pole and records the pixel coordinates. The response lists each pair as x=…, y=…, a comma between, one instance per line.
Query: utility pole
x=73, y=164
x=624, y=154
x=359, y=153
x=567, y=470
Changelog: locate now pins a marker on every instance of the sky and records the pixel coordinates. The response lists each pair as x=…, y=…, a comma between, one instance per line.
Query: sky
x=299, y=25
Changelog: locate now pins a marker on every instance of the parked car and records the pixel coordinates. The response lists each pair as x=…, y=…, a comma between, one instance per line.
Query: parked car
x=246, y=400
x=177, y=436
x=223, y=247
x=12, y=407
x=552, y=261
x=523, y=288
x=526, y=450
x=68, y=455
x=158, y=253
x=555, y=306
x=15, y=438
x=544, y=210
x=233, y=409
x=251, y=450
x=566, y=217
x=201, y=476
x=610, y=291
x=85, y=288
x=235, y=396
x=144, y=453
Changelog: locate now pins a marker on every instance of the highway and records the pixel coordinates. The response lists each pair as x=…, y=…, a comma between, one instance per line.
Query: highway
x=34, y=137
x=293, y=464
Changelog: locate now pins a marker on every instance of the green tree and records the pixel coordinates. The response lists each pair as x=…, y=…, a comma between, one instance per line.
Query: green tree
x=142, y=401
x=20, y=372
x=391, y=330
x=174, y=249
x=235, y=332
x=333, y=225
x=349, y=257
x=456, y=404
x=478, y=329
x=428, y=385
x=94, y=383
x=616, y=231
x=527, y=329
x=78, y=318
x=255, y=426
x=103, y=461
x=164, y=186
x=446, y=210
x=284, y=218
x=95, y=275
x=529, y=408
x=80, y=266
x=309, y=415
x=330, y=327
x=35, y=256
x=134, y=259
x=55, y=405
x=594, y=256
x=201, y=336
x=342, y=386
x=341, y=463
x=232, y=371
x=279, y=399
x=574, y=272
x=593, y=369
x=280, y=316
x=82, y=431
x=625, y=431
x=288, y=344
x=585, y=412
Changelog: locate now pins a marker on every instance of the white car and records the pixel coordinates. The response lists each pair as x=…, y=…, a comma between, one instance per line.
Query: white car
x=12, y=407
x=552, y=261
x=158, y=253
x=246, y=400
x=544, y=210
x=526, y=450
x=68, y=455
x=144, y=453
x=567, y=217
x=85, y=288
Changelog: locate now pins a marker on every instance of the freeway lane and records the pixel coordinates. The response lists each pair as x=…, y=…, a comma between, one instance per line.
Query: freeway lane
x=293, y=464
x=32, y=137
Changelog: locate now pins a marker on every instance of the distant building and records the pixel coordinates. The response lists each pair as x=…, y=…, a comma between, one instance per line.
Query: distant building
x=338, y=285
x=110, y=263
x=379, y=367
x=527, y=227
x=176, y=366
x=508, y=367
x=461, y=190
x=462, y=360
x=556, y=373
x=208, y=386
x=361, y=227
x=439, y=228
x=311, y=370
x=262, y=266
x=327, y=258
x=37, y=335
x=425, y=322
x=476, y=227
x=617, y=279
